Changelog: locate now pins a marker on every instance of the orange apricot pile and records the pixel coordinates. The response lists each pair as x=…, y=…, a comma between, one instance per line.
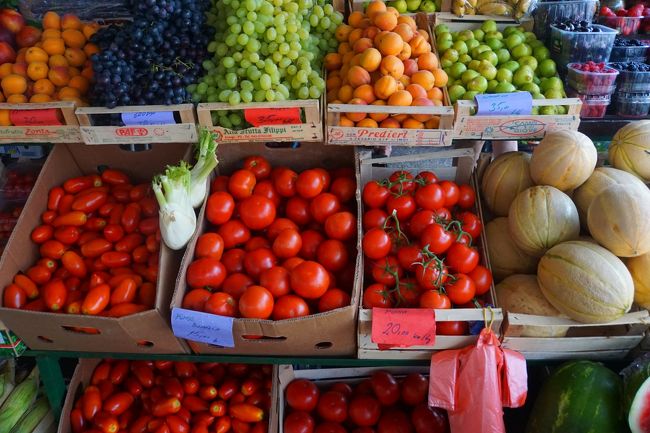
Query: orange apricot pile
x=56, y=68
x=384, y=59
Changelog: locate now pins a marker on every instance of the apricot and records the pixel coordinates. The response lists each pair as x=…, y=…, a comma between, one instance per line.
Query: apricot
x=13, y=84
x=424, y=78
x=419, y=46
x=44, y=87
x=435, y=94
x=428, y=61
x=411, y=123
x=421, y=102
x=345, y=93
x=361, y=45
x=365, y=92
x=405, y=31
x=440, y=76
x=37, y=70
x=356, y=117
x=73, y=38
x=332, y=61
x=342, y=32
x=35, y=54
x=400, y=98
x=416, y=91
x=405, y=19
x=378, y=117
x=385, y=21
x=390, y=44
x=59, y=76
x=390, y=123
x=433, y=123
x=75, y=56
x=40, y=97
x=355, y=35
x=370, y=59
x=51, y=20
x=392, y=66
x=70, y=21
x=355, y=19
x=344, y=121
x=374, y=8
x=54, y=46
x=385, y=87
x=17, y=98
x=405, y=53
x=358, y=76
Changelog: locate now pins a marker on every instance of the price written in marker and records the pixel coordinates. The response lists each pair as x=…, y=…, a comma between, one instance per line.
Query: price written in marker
x=272, y=116
x=148, y=118
x=517, y=103
x=45, y=117
x=403, y=327
x=203, y=327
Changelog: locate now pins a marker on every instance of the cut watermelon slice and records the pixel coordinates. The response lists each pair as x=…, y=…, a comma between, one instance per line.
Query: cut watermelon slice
x=639, y=417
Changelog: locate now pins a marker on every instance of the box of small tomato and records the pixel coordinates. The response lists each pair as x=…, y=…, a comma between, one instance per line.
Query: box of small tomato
x=427, y=283
x=273, y=266
x=168, y=396
x=85, y=269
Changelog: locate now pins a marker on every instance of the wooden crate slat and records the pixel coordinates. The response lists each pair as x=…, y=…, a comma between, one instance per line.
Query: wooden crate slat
x=68, y=132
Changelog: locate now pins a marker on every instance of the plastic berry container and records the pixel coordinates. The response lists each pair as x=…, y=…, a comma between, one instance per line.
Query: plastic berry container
x=593, y=106
x=632, y=81
x=629, y=54
x=548, y=12
x=625, y=25
x=591, y=83
x=632, y=104
x=580, y=47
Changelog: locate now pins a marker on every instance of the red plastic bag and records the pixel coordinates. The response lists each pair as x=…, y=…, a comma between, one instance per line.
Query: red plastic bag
x=474, y=384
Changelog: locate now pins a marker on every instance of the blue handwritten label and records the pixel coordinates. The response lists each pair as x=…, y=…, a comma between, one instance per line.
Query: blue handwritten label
x=203, y=327
x=517, y=103
x=149, y=118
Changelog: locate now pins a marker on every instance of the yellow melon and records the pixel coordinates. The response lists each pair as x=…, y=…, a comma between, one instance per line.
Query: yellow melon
x=639, y=267
x=504, y=178
x=505, y=257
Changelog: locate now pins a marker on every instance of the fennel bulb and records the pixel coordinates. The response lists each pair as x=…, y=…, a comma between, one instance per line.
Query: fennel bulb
x=176, y=214
x=206, y=161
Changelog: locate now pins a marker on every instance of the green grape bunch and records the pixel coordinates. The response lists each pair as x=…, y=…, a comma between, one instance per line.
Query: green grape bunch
x=266, y=50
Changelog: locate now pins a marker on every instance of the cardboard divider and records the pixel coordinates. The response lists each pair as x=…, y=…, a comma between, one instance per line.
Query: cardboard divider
x=142, y=130
x=454, y=164
x=50, y=122
x=145, y=332
x=332, y=333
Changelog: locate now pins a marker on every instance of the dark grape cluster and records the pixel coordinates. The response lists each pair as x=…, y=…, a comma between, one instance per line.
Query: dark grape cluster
x=152, y=59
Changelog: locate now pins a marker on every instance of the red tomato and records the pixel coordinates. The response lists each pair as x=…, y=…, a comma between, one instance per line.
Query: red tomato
x=52, y=249
x=333, y=299
x=452, y=328
x=364, y=410
x=55, y=294
x=466, y=197
x=256, y=242
x=343, y=388
x=131, y=217
x=430, y=197
x=287, y=244
x=234, y=233
x=206, y=272
x=42, y=233
x=415, y=388
x=434, y=299
x=377, y=296
x=374, y=218
x=386, y=269
x=258, y=165
x=309, y=184
x=461, y=289
x=482, y=278
x=401, y=182
x=311, y=239
x=324, y=205
x=341, y=226
x=436, y=238
x=209, y=244
x=409, y=256
x=309, y=280
x=431, y=274
x=302, y=394
x=289, y=307
x=233, y=260
x=255, y=262
x=451, y=193
x=266, y=189
x=113, y=232
x=118, y=403
x=330, y=427
x=344, y=188
x=235, y=284
x=96, y=248
x=421, y=220
x=256, y=303
x=291, y=263
x=257, y=212
x=461, y=258
x=403, y=206
x=278, y=226
x=219, y=183
x=14, y=297
x=241, y=184
x=298, y=422
x=426, y=177
x=332, y=406
x=394, y=421
x=471, y=224
x=429, y=420
x=297, y=210
x=285, y=182
x=219, y=208
x=385, y=387
x=96, y=300
x=376, y=244
x=375, y=194
x=39, y=274
x=332, y=254
x=222, y=304
x=276, y=281
x=325, y=175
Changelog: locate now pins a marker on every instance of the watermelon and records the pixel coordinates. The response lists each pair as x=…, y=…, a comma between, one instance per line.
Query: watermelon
x=633, y=377
x=579, y=397
x=639, y=417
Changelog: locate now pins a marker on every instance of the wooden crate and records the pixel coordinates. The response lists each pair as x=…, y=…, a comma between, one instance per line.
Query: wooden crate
x=65, y=130
x=603, y=341
x=460, y=171
x=356, y=136
x=470, y=22
x=311, y=130
x=515, y=127
x=183, y=132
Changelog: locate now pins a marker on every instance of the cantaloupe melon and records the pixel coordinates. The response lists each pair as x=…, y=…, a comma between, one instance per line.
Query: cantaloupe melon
x=505, y=257
x=630, y=149
x=563, y=159
x=586, y=282
x=619, y=219
x=639, y=267
x=504, y=178
x=540, y=217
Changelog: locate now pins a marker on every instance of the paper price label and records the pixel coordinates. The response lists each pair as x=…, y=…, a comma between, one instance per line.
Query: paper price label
x=203, y=327
x=272, y=116
x=403, y=327
x=149, y=118
x=517, y=103
x=45, y=117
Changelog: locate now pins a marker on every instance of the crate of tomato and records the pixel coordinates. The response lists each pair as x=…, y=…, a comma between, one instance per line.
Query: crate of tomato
x=277, y=277
x=107, y=395
x=424, y=254
x=85, y=269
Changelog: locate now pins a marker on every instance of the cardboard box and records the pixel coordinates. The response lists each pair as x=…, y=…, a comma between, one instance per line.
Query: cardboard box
x=81, y=379
x=332, y=333
x=146, y=332
x=38, y=125
x=448, y=165
x=324, y=377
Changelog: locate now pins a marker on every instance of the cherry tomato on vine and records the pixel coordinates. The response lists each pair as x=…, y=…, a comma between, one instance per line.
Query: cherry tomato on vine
x=466, y=197
x=258, y=165
x=376, y=243
x=378, y=296
x=375, y=194
x=482, y=278
x=460, y=289
x=462, y=258
x=434, y=299
x=451, y=193
x=430, y=197
x=401, y=182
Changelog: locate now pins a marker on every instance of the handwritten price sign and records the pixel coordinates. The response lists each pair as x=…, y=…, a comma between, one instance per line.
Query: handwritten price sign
x=517, y=103
x=272, y=116
x=45, y=117
x=403, y=327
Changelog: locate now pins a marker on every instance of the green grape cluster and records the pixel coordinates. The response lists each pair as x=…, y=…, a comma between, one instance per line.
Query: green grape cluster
x=266, y=50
